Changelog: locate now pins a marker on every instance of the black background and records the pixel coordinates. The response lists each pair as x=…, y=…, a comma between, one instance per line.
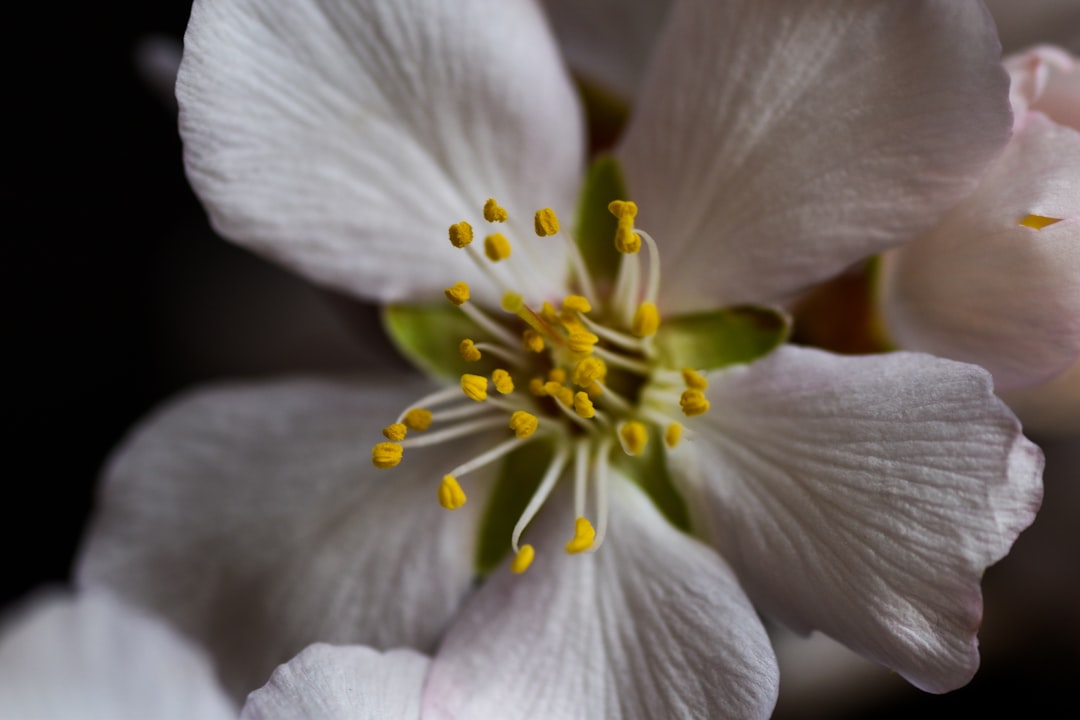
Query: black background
x=118, y=294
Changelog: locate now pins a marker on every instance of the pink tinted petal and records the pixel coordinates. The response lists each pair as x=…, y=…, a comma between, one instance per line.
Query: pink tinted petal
x=774, y=143
x=864, y=497
x=252, y=517
x=1045, y=79
x=342, y=138
x=342, y=683
x=651, y=625
x=982, y=288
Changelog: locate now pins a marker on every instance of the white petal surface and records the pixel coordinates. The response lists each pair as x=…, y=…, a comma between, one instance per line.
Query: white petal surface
x=652, y=625
x=981, y=287
x=864, y=497
x=342, y=138
x=251, y=515
x=1045, y=79
x=774, y=143
x=325, y=682
x=91, y=657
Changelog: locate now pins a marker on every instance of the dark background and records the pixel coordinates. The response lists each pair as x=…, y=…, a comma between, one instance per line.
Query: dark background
x=119, y=295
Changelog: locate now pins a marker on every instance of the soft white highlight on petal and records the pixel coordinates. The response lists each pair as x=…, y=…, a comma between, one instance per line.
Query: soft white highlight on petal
x=1045, y=79
x=608, y=42
x=251, y=515
x=864, y=497
x=343, y=138
x=651, y=626
x=325, y=682
x=982, y=288
x=775, y=143
x=90, y=657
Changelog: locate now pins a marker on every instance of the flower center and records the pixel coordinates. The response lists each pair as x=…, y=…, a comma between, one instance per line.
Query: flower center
x=581, y=371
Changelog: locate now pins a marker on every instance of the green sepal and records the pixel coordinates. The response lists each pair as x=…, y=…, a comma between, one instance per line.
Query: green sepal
x=519, y=476
x=429, y=336
x=649, y=472
x=718, y=338
x=594, y=226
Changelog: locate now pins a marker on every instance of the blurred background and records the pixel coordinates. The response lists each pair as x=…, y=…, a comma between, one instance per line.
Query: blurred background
x=119, y=295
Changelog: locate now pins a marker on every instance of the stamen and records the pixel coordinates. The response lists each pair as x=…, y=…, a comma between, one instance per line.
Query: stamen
x=652, y=290
x=1038, y=222
x=646, y=320
x=502, y=353
x=584, y=534
x=453, y=432
x=395, y=432
x=633, y=435
x=493, y=212
x=532, y=341
x=496, y=247
x=634, y=366
x=547, y=483
x=474, y=387
x=581, y=341
x=576, y=304
x=523, y=423
x=694, y=402
x=546, y=222
x=583, y=405
x=581, y=475
x=512, y=302
x=468, y=351
x=488, y=457
x=417, y=419
x=458, y=293
x=626, y=342
x=523, y=559
x=560, y=392
x=589, y=370
x=461, y=234
x=490, y=326
x=673, y=434
x=451, y=496
x=600, y=475
x=386, y=455
x=626, y=241
x=504, y=384
x=694, y=380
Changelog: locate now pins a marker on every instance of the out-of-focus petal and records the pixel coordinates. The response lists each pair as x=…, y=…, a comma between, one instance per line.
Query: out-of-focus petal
x=864, y=497
x=775, y=143
x=252, y=517
x=1045, y=79
x=343, y=138
x=1052, y=408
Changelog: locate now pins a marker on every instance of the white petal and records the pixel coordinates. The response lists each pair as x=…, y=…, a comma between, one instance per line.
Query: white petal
x=775, y=143
x=1045, y=79
x=325, y=682
x=865, y=497
x=343, y=138
x=982, y=288
x=251, y=515
x=90, y=657
x=651, y=625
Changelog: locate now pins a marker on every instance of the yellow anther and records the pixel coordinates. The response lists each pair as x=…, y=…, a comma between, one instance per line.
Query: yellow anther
x=548, y=313
x=1038, y=222
x=493, y=212
x=634, y=436
x=461, y=234
x=386, y=455
x=533, y=341
x=546, y=222
x=560, y=392
x=523, y=559
x=496, y=247
x=557, y=375
x=581, y=341
x=418, y=419
x=523, y=423
x=589, y=370
x=451, y=496
x=673, y=435
x=474, y=387
x=395, y=432
x=458, y=293
x=627, y=241
x=512, y=302
x=646, y=320
x=584, y=534
x=583, y=405
x=694, y=380
x=502, y=381
x=468, y=351
x=576, y=304
x=623, y=209
x=536, y=387
x=693, y=402
x=595, y=390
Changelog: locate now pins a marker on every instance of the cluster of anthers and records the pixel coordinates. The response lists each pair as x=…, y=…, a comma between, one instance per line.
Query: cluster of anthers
x=592, y=381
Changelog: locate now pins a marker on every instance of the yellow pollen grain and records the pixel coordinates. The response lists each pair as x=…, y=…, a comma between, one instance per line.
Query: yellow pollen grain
x=468, y=351
x=589, y=370
x=646, y=320
x=493, y=212
x=673, y=435
x=694, y=380
x=502, y=381
x=557, y=375
x=536, y=387
x=584, y=535
x=418, y=419
x=581, y=341
x=461, y=234
x=546, y=222
x=1038, y=222
x=560, y=392
x=386, y=455
x=395, y=432
x=693, y=402
x=623, y=209
x=512, y=302
x=627, y=241
x=583, y=405
x=451, y=496
x=523, y=423
x=523, y=559
x=496, y=247
x=458, y=293
x=532, y=341
x=474, y=387
x=576, y=303
x=634, y=436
